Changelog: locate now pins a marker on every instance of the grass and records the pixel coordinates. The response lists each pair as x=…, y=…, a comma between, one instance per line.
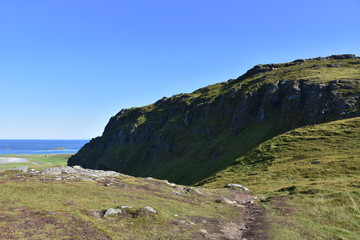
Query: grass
x=322, y=199
x=312, y=70
x=38, y=162
x=40, y=207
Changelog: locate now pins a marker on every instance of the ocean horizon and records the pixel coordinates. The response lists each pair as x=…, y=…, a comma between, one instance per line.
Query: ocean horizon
x=40, y=146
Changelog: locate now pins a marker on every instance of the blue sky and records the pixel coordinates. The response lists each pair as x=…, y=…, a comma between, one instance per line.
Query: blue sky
x=67, y=66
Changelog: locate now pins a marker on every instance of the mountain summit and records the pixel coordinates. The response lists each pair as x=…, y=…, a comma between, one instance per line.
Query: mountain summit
x=189, y=137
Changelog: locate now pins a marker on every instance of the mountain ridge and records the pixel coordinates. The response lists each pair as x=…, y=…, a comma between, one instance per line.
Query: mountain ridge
x=189, y=137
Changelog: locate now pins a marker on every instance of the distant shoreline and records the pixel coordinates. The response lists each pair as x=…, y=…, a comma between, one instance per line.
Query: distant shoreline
x=37, y=147
x=33, y=161
x=4, y=160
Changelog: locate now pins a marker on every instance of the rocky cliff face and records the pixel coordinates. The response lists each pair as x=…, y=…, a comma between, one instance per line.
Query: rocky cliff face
x=188, y=137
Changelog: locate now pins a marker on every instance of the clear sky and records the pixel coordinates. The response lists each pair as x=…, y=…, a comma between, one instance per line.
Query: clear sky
x=67, y=66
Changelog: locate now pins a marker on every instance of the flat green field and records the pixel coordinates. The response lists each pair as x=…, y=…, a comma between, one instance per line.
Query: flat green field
x=37, y=162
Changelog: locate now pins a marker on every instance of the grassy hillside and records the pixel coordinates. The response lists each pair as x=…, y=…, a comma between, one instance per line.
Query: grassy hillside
x=309, y=177
x=312, y=178
x=71, y=206
x=189, y=137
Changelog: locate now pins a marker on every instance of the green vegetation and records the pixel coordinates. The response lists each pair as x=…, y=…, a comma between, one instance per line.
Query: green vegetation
x=37, y=162
x=251, y=131
x=43, y=207
x=189, y=137
x=309, y=178
x=272, y=130
x=317, y=168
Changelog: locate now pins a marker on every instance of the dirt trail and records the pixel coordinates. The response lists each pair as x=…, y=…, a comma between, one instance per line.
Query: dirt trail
x=251, y=225
x=255, y=225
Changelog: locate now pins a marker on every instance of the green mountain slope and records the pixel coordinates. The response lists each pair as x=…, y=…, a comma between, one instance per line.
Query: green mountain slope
x=312, y=153
x=189, y=137
x=317, y=168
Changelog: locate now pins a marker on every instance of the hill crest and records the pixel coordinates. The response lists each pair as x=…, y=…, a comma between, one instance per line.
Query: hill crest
x=189, y=137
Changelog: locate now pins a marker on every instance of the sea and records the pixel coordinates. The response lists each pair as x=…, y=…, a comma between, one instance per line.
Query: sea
x=25, y=147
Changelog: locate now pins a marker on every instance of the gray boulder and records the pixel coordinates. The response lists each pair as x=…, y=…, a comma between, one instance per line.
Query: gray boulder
x=225, y=200
x=112, y=211
x=147, y=211
x=239, y=186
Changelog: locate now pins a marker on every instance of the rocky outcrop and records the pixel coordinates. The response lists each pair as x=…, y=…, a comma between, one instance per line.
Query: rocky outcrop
x=188, y=137
x=236, y=186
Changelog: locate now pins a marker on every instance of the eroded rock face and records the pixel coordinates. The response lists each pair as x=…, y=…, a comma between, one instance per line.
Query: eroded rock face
x=186, y=133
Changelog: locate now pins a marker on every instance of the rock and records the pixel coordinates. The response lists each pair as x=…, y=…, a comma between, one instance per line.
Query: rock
x=147, y=211
x=112, y=211
x=179, y=190
x=316, y=162
x=343, y=56
x=95, y=213
x=52, y=171
x=169, y=183
x=333, y=65
x=187, y=189
x=239, y=186
x=21, y=169
x=124, y=207
x=225, y=200
x=203, y=231
x=82, y=173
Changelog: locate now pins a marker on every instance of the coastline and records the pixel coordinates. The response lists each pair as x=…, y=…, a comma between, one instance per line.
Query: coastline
x=39, y=147
x=4, y=160
x=33, y=161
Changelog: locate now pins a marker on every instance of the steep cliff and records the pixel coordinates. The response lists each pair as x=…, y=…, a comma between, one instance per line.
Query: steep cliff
x=188, y=137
